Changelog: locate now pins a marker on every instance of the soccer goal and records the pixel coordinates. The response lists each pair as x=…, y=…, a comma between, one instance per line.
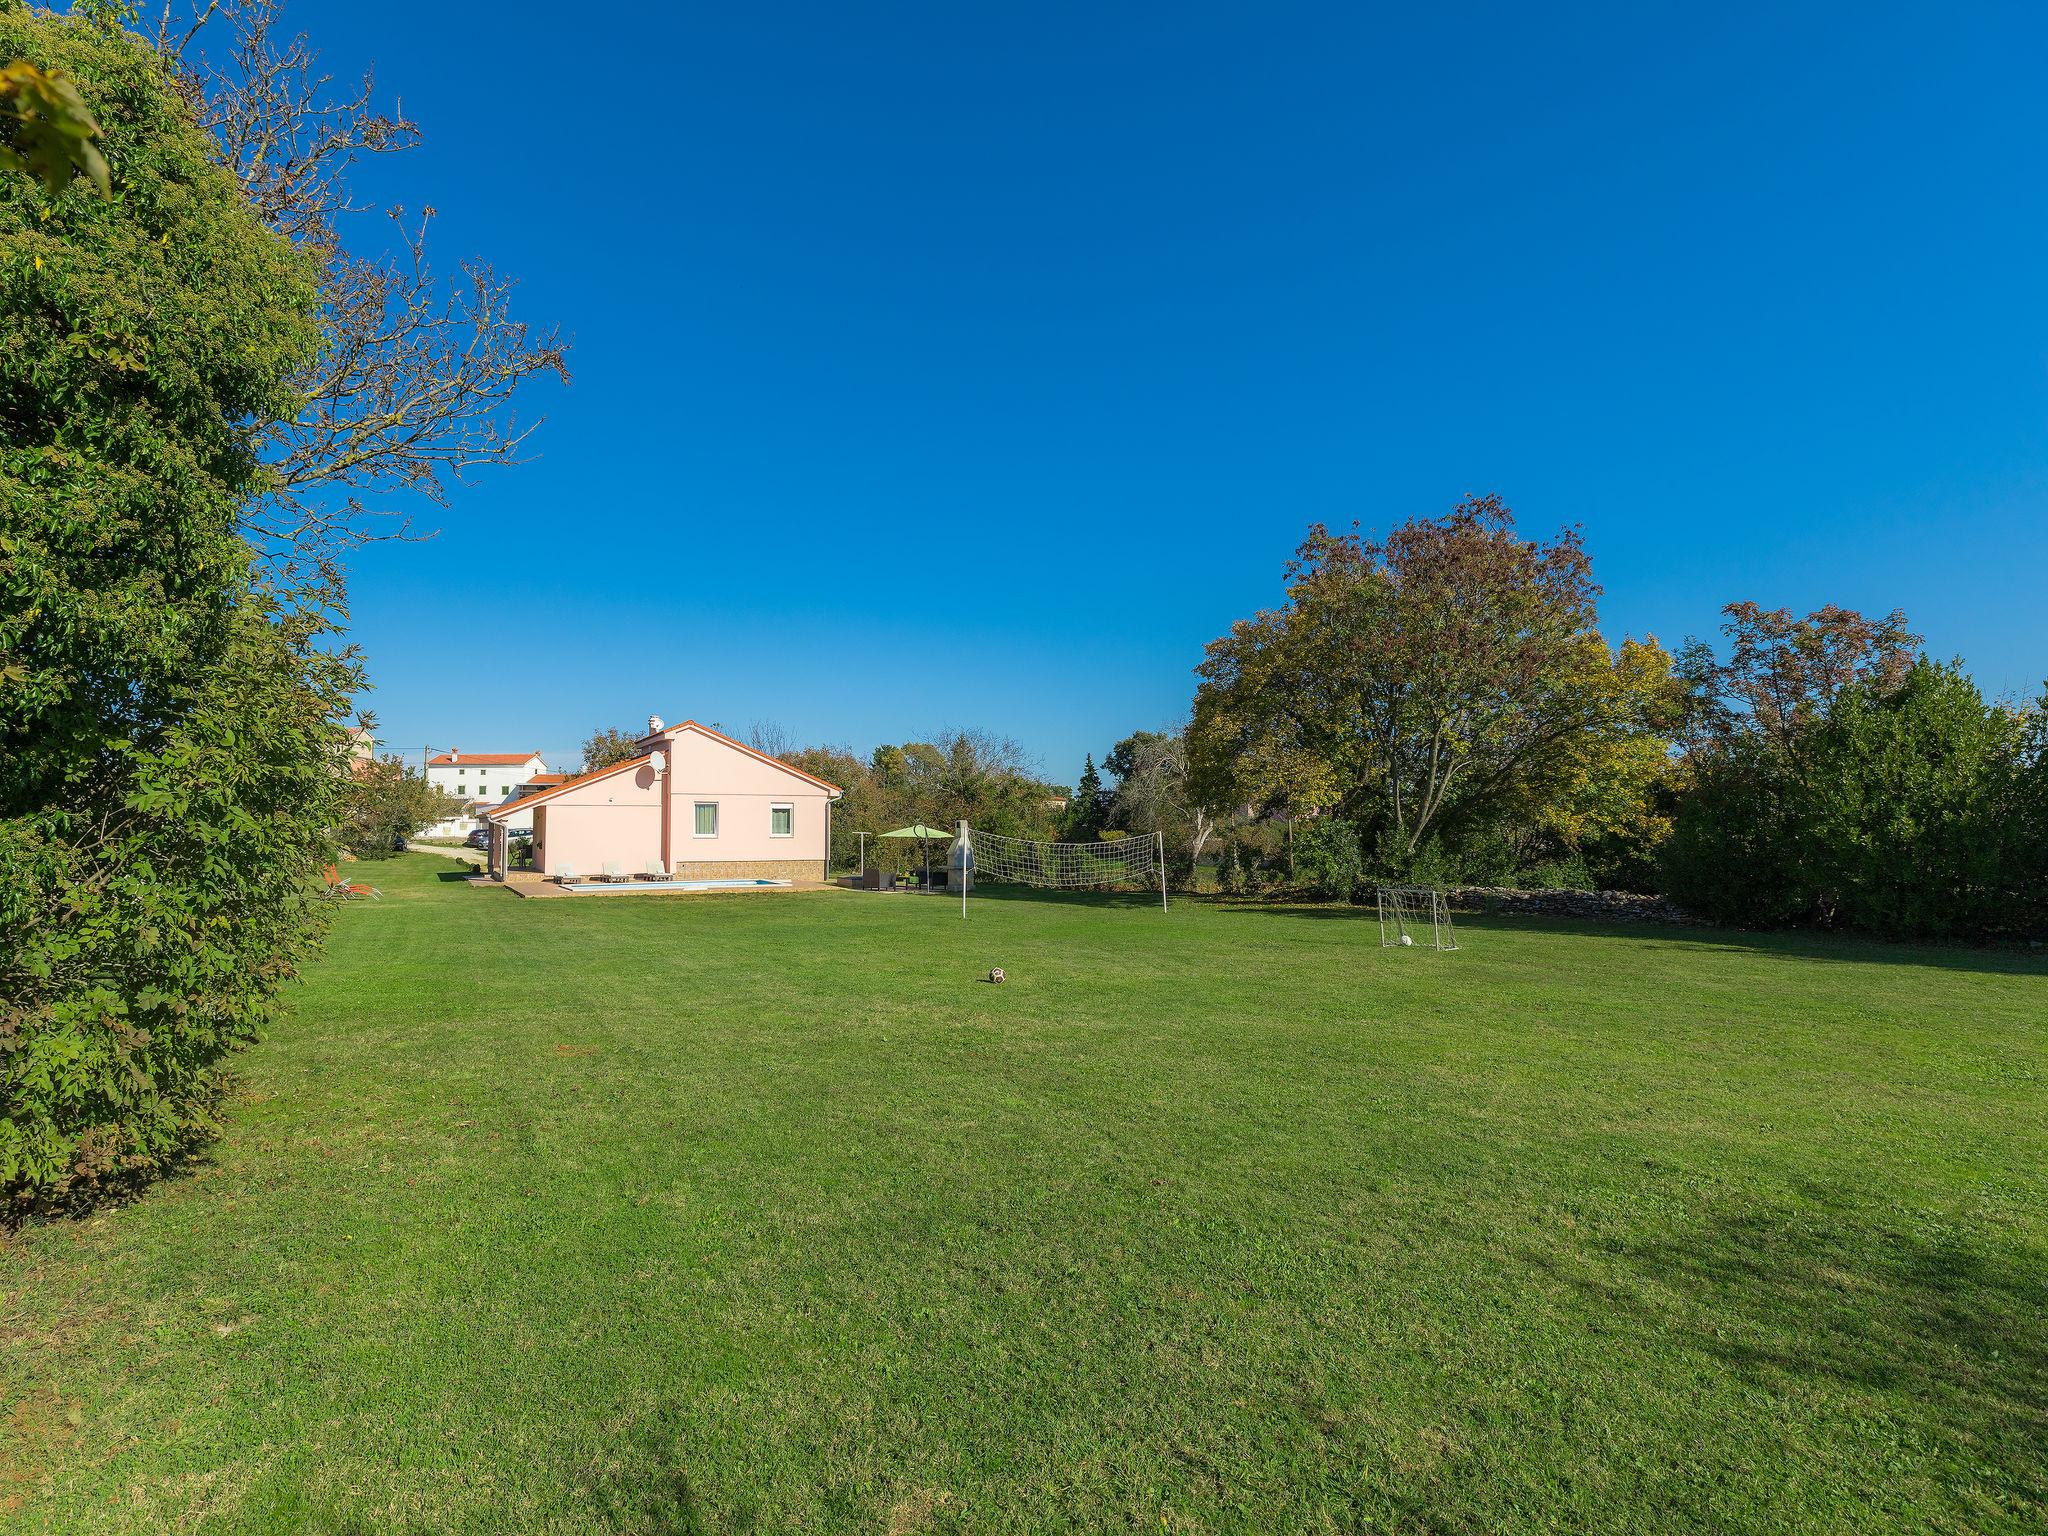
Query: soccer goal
x=1413, y=915
x=1138, y=859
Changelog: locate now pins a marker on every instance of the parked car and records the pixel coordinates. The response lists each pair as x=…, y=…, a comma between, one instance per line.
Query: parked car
x=480, y=838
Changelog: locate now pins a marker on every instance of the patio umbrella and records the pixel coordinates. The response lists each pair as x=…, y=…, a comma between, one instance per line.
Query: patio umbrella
x=924, y=835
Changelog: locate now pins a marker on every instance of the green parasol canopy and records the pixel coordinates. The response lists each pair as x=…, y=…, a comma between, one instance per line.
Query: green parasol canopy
x=921, y=832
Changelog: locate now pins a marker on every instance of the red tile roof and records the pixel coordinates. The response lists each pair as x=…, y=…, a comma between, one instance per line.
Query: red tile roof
x=460, y=759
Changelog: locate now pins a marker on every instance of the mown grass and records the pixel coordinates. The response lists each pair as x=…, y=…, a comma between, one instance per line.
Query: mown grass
x=760, y=1213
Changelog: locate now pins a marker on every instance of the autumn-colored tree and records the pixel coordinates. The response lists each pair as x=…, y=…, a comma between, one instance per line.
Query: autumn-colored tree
x=1782, y=672
x=1447, y=672
x=974, y=776
x=1613, y=789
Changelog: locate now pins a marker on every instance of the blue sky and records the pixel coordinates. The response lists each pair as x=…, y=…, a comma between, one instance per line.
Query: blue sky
x=1087, y=312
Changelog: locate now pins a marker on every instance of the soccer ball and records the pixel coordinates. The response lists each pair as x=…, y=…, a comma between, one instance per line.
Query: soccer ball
x=997, y=974
x=1406, y=940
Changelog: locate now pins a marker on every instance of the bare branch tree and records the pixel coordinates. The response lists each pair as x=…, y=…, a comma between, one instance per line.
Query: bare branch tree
x=768, y=736
x=1155, y=791
x=414, y=383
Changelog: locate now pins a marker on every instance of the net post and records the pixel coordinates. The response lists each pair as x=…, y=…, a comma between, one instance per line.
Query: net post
x=966, y=853
x=1160, y=849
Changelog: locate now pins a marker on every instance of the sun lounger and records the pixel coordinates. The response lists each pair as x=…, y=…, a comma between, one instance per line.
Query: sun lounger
x=613, y=872
x=656, y=870
x=564, y=873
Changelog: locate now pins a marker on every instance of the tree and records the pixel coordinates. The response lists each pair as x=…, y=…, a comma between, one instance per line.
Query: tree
x=388, y=801
x=1088, y=806
x=769, y=737
x=857, y=809
x=967, y=775
x=1782, y=673
x=45, y=130
x=1328, y=860
x=1606, y=796
x=1156, y=792
x=172, y=753
x=1900, y=808
x=1445, y=673
x=413, y=386
x=609, y=744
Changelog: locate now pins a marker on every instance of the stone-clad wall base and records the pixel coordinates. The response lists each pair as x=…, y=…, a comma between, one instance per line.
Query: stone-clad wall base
x=1608, y=906
x=751, y=869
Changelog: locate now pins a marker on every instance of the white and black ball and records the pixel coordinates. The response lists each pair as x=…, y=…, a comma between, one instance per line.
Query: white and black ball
x=996, y=975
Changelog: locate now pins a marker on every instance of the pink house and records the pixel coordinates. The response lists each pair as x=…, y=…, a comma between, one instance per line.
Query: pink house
x=699, y=803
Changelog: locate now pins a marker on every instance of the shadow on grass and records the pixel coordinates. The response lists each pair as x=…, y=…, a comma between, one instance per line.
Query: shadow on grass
x=1947, y=1327
x=1789, y=945
x=1031, y=895
x=646, y=1489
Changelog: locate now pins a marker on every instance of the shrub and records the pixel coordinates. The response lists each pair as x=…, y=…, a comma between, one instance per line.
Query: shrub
x=1230, y=872
x=1900, y=811
x=388, y=801
x=170, y=742
x=1327, y=859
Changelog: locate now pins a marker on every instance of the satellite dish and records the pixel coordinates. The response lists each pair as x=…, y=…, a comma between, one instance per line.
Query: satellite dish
x=653, y=724
x=660, y=761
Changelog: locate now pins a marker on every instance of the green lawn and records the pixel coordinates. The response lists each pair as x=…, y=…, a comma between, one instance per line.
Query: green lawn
x=760, y=1213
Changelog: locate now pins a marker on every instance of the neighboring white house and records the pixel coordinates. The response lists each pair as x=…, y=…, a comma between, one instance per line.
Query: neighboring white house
x=478, y=779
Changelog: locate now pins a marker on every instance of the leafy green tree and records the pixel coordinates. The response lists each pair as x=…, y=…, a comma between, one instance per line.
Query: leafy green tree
x=1156, y=792
x=387, y=802
x=172, y=754
x=1449, y=674
x=2027, y=831
x=46, y=131
x=1328, y=859
x=857, y=808
x=1088, y=806
x=1900, y=809
x=607, y=745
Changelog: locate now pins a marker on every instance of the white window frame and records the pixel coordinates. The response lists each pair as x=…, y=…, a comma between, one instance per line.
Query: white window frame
x=695, y=807
x=782, y=805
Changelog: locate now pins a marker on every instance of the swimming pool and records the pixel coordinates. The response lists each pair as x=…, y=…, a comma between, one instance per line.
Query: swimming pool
x=657, y=887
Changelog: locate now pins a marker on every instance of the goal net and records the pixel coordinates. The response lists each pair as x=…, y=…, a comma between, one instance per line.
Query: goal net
x=1417, y=916
x=1136, y=860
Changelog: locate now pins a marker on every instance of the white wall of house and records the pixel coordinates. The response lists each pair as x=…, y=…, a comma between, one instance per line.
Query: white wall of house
x=481, y=776
x=481, y=779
